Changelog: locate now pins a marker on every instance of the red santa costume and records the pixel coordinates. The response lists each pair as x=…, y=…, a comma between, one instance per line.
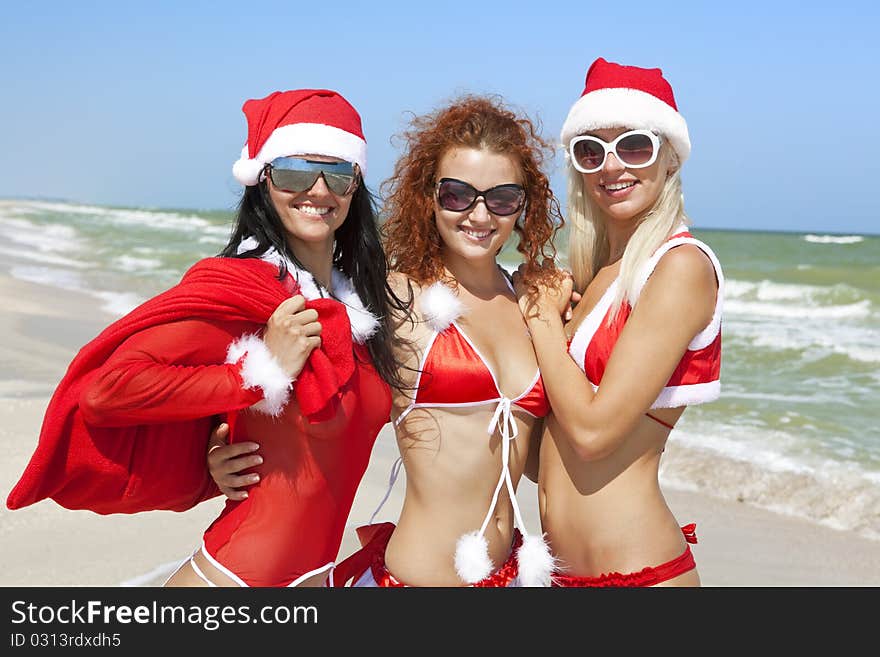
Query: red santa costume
x=697, y=377
x=127, y=428
x=638, y=98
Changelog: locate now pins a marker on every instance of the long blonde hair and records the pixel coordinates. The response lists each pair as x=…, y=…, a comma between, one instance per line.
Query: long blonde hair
x=588, y=238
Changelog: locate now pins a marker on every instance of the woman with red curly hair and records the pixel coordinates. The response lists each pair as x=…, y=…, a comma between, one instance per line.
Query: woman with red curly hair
x=470, y=177
x=471, y=398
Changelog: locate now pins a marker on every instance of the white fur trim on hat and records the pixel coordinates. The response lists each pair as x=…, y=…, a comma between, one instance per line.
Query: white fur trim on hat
x=627, y=108
x=260, y=369
x=472, y=562
x=440, y=306
x=301, y=139
x=536, y=563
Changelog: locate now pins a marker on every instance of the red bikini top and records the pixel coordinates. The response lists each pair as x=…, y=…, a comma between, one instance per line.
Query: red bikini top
x=454, y=373
x=696, y=379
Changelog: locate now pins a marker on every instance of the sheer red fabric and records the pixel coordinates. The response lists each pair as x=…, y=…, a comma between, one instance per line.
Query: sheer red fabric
x=293, y=520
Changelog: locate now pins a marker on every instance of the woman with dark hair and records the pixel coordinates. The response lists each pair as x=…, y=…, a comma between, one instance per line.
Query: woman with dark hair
x=357, y=253
x=286, y=336
x=471, y=175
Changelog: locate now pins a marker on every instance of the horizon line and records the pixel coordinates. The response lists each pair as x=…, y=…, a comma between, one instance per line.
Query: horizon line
x=158, y=208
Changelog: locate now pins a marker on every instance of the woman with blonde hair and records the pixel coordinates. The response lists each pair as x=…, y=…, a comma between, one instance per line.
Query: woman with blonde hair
x=643, y=343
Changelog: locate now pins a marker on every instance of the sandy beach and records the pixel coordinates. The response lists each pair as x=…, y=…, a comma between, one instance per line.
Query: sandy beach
x=46, y=545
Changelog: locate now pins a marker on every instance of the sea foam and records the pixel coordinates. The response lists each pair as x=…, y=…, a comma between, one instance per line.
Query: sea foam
x=834, y=239
x=836, y=494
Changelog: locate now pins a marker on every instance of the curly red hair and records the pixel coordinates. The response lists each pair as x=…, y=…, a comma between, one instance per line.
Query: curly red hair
x=412, y=242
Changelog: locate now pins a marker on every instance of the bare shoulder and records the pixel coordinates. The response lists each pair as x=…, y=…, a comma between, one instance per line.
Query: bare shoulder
x=682, y=285
x=408, y=290
x=403, y=287
x=689, y=268
x=400, y=283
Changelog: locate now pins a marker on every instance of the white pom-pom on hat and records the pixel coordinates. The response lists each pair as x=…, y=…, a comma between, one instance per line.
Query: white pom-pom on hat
x=247, y=171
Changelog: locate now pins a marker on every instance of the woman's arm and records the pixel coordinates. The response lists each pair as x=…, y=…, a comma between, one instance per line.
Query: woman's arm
x=409, y=329
x=147, y=380
x=195, y=368
x=676, y=303
x=227, y=463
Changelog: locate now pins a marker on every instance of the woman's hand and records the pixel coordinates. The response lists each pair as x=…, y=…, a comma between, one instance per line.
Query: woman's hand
x=225, y=462
x=575, y=299
x=292, y=333
x=553, y=296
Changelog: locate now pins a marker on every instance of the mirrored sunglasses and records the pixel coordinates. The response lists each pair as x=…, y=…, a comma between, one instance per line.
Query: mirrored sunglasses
x=296, y=174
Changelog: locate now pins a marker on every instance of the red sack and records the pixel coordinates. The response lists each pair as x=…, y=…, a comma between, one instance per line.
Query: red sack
x=163, y=465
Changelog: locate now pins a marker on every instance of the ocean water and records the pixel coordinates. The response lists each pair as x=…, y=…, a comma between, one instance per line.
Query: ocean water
x=795, y=430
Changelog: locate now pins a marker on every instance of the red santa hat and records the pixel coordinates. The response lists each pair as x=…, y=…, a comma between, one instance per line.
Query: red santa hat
x=617, y=96
x=299, y=122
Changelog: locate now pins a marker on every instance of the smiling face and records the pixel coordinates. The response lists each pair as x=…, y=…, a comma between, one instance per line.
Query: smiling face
x=475, y=233
x=310, y=218
x=622, y=193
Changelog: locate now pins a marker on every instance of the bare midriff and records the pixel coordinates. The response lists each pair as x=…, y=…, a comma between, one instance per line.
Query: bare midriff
x=452, y=467
x=607, y=515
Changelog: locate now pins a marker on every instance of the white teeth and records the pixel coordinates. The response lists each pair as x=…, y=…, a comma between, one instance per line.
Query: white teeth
x=313, y=209
x=623, y=185
x=477, y=234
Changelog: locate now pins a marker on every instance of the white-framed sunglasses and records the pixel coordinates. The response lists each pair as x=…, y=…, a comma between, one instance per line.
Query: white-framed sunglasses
x=635, y=149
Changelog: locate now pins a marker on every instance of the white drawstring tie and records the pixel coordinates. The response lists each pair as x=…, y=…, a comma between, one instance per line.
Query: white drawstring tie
x=472, y=561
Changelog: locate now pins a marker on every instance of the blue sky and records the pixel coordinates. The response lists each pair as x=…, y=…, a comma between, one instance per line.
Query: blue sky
x=139, y=104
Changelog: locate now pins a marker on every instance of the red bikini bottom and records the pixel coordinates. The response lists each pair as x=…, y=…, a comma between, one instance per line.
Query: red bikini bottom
x=372, y=557
x=648, y=576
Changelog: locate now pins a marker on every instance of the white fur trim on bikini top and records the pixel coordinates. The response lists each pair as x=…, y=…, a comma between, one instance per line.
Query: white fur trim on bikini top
x=363, y=323
x=440, y=306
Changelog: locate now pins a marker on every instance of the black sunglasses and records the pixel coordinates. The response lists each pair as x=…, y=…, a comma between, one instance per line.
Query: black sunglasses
x=296, y=174
x=459, y=196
